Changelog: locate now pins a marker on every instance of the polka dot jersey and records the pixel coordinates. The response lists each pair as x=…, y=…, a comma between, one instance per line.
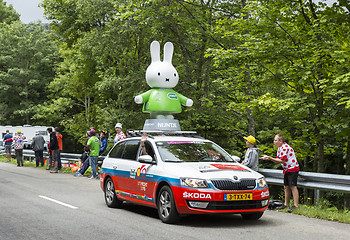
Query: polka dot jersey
x=286, y=153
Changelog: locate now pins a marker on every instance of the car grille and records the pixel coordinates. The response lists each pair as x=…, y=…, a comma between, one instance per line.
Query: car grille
x=227, y=184
x=234, y=205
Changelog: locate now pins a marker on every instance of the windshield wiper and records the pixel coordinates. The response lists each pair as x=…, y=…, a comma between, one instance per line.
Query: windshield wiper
x=167, y=160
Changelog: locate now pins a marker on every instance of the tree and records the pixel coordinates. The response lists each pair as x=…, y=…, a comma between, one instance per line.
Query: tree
x=27, y=59
x=7, y=13
x=292, y=51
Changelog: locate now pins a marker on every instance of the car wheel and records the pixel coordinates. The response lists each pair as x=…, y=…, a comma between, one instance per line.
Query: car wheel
x=166, y=206
x=252, y=216
x=110, y=197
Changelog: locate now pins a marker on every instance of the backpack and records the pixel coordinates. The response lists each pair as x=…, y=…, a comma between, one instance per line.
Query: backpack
x=274, y=204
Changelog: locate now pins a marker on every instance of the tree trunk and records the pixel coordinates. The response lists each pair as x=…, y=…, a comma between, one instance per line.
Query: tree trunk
x=320, y=156
x=347, y=159
x=250, y=118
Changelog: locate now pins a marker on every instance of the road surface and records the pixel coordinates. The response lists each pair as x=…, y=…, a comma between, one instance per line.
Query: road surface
x=38, y=205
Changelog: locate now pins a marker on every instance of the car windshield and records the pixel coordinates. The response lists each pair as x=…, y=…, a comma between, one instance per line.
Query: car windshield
x=42, y=133
x=192, y=151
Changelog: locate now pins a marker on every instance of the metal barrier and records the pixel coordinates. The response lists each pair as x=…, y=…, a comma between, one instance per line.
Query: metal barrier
x=66, y=158
x=312, y=180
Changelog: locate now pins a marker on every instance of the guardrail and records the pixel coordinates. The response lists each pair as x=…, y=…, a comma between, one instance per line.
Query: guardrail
x=66, y=158
x=311, y=180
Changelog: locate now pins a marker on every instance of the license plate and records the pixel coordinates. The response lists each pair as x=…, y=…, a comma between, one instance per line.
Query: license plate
x=238, y=196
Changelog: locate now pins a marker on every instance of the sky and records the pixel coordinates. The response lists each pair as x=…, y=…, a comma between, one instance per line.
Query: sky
x=29, y=10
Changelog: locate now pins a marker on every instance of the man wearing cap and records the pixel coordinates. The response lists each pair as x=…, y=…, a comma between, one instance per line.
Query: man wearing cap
x=19, y=144
x=93, y=146
x=120, y=135
x=251, y=158
x=38, y=143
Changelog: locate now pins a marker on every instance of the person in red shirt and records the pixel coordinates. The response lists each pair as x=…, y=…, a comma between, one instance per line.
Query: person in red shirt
x=286, y=157
x=59, y=140
x=19, y=145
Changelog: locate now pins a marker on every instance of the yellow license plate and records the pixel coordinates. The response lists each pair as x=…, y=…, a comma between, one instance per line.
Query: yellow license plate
x=238, y=196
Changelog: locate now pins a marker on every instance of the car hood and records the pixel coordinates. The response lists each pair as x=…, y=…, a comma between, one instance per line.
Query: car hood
x=211, y=170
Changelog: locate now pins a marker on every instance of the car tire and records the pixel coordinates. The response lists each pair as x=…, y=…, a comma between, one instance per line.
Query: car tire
x=111, y=198
x=166, y=206
x=252, y=216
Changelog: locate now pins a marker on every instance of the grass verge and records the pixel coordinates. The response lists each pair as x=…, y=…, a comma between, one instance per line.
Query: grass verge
x=320, y=212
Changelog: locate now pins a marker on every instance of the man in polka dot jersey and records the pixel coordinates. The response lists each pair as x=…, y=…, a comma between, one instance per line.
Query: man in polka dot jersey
x=286, y=157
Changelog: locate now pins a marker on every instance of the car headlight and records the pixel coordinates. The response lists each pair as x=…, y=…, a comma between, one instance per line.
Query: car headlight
x=194, y=182
x=262, y=182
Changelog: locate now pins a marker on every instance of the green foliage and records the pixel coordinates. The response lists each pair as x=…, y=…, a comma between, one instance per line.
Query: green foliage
x=324, y=210
x=7, y=13
x=251, y=67
x=27, y=60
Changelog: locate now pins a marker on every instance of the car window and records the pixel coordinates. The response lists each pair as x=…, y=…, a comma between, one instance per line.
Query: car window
x=117, y=151
x=130, y=150
x=192, y=151
x=149, y=150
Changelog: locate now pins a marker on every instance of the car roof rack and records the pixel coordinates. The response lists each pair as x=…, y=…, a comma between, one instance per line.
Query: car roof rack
x=152, y=133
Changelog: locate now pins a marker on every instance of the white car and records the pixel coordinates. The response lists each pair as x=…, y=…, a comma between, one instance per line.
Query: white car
x=181, y=175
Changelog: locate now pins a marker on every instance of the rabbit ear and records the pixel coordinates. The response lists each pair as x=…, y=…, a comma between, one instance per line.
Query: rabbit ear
x=155, y=51
x=168, y=52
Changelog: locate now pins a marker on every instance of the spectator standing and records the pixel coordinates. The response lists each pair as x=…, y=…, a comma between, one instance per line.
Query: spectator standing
x=93, y=145
x=60, y=146
x=251, y=158
x=8, y=144
x=103, y=142
x=38, y=148
x=103, y=146
x=120, y=135
x=19, y=144
x=53, y=146
x=286, y=157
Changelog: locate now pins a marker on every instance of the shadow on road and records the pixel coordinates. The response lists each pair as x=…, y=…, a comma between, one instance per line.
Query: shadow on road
x=203, y=221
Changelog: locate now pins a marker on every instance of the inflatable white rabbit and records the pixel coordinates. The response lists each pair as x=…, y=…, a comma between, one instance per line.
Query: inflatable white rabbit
x=161, y=101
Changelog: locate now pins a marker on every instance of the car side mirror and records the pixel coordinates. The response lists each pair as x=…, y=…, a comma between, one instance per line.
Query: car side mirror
x=146, y=159
x=235, y=158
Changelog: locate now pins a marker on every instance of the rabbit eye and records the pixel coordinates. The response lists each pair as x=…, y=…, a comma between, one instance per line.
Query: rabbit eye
x=159, y=74
x=174, y=74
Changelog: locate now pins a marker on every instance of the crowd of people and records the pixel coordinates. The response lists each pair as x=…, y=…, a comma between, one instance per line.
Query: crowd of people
x=95, y=146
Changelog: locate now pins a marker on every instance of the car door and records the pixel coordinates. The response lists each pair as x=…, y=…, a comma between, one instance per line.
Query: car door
x=145, y=177
x=127, y=166
x=112, y=165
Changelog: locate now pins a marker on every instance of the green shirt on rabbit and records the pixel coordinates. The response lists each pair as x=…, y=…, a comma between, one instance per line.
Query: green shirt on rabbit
x=162, y=100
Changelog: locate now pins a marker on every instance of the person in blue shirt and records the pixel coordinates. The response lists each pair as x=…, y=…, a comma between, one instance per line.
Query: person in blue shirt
x=103, y=142
x=8, y=145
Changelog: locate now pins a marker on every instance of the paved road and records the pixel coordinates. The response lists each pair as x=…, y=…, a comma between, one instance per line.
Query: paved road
x=35, y=204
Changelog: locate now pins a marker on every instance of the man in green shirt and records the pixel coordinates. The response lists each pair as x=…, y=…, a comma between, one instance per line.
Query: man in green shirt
x=93, y=145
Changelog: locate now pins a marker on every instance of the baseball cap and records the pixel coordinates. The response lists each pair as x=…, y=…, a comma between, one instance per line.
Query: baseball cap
x=92, y=132
x=18, y=131
x=88, y=133
x=250, y=139
x=118, y=125
x=104, y=132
